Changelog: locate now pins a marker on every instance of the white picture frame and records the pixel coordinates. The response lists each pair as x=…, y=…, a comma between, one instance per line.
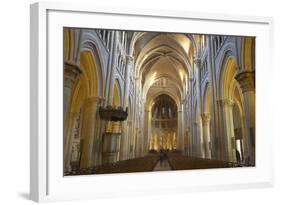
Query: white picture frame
x=46, y=177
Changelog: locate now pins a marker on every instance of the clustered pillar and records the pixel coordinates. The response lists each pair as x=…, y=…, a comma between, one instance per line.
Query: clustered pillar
x=206, y=134
x=89, y=110
x=226, y=141
x=180, y=140
x=71, y=73
x=125, y=131
x=246, y=80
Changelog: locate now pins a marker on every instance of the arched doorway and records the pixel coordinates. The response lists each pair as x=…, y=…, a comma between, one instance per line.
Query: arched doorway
x=80, y=137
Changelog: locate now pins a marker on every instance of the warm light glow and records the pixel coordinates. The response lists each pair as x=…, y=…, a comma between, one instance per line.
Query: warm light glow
x=186, y=45
x=116, y=95
x=152, y=78
x=182, y=75
x=173, y=112
x=184, y=42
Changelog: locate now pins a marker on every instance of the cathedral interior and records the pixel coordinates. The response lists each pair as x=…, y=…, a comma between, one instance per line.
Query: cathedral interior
x=150, y=101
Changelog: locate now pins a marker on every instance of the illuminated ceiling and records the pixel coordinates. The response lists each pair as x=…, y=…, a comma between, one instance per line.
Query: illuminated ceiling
x=164, y=55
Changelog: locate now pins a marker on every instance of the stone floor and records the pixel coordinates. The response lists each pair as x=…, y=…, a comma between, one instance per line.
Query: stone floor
x=162, y=167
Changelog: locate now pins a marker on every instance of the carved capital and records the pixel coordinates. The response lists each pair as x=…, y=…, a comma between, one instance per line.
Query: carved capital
x=197, y=61
x=93, y=101
x=71, y=72
x=205, y=118
x=130, y=59
x=246, y=80
x=226, y=102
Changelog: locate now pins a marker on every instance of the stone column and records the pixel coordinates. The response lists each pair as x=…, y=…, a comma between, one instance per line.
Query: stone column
x=67, y=148
x=112, y=68
x=196, y=147
x=129, y=67
x=71, y=72
x=111, y=143
x=244, y=139
x=136, y=143
x=89, y=110
x=191, y=136
x=97, y=143
x=226, y=143
x=141, y=131
x=184, y=125
x=187, y=142
x=147, y=130
x=206, y=134
x=180, y=139
x=231, y=132
x=137, y=140
x=124, y=137
x=197, y=65
x=130, y=138
x=124, y=140
x=246, y=80
x=215, y=111
x=201, y=150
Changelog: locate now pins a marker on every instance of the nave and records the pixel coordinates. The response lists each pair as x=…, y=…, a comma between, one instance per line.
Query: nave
x=128, y=95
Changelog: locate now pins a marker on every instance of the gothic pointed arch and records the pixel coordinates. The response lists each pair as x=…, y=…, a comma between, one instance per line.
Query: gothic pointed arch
x=248, y=53
x=192, y=95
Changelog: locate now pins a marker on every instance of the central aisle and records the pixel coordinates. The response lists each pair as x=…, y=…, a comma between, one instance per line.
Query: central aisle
x=164, y=167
